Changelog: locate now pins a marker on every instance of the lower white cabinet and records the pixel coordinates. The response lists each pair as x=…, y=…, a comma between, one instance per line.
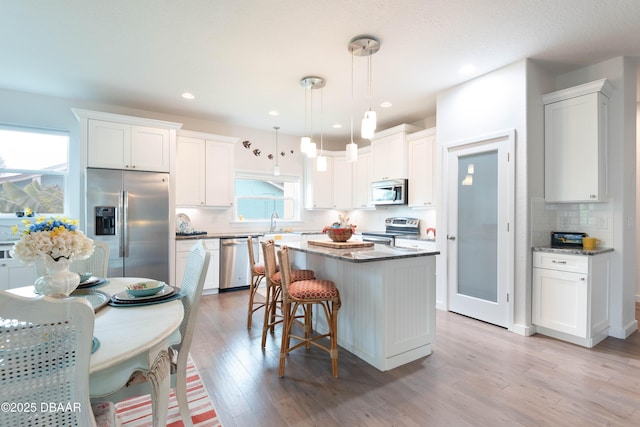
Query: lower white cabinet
x=212, y=281
x=571, y=296
x=14, y=274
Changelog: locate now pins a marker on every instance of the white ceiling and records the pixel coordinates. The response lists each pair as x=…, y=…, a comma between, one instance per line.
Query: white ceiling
x=243, y=58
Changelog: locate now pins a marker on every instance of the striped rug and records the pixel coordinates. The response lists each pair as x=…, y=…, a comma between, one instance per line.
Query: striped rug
x=136, y=411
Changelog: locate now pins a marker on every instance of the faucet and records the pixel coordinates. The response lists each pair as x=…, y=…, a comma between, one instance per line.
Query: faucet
x=274, y=216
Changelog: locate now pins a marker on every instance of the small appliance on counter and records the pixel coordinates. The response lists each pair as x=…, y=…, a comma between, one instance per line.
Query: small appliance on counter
x=567, y=239
x=183, y=227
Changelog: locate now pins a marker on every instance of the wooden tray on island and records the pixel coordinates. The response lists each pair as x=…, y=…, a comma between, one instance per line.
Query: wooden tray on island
x=340, y=245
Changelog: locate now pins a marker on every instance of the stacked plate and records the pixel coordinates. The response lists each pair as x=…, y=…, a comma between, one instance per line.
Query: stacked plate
x=124, y=298
x=91, y=282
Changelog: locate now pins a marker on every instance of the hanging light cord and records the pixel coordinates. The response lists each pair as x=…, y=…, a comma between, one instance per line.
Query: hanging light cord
x=352, y=104
x=321, y=119
x=276, y=128
x=369, y=73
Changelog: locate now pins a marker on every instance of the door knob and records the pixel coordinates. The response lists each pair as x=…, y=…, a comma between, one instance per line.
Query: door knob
x=451, y=237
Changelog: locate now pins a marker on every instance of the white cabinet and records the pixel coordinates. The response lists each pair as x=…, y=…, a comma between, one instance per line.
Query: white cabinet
x=115, y=145
x=576, y=143
x=204, y=170
x=389, y=149
x=422, y=153
x=13, y=273
x=571, y=296
x=212, y=280
x=362, y=177
x=331, y=189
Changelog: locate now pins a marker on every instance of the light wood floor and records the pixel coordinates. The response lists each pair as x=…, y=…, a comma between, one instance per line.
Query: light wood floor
x=477, y=375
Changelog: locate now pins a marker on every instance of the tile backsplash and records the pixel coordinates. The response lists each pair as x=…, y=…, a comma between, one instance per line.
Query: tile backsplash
x=595, y=219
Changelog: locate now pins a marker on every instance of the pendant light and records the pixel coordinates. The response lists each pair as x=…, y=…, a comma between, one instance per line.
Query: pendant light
x=321, y=161
x=367, y=46
x=276, y=168
x=305, y=140
x=351, y=150
x=311, y=83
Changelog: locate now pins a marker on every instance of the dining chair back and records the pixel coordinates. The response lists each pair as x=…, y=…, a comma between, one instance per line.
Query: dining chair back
x=45, y=350
x=97, y=263
x=191, y=286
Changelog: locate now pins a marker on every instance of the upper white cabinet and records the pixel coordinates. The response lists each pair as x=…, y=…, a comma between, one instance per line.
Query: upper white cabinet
x=204, y=170
x=390, y=149
x=330, y=189
x=115, y=141
x=422, y=153
x=362, y=177
x=575, y=141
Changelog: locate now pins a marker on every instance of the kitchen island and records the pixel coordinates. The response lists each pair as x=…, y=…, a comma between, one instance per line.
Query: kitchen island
x=387, y=316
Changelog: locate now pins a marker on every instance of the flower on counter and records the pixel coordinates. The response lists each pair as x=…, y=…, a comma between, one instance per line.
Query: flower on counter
x=57, y=237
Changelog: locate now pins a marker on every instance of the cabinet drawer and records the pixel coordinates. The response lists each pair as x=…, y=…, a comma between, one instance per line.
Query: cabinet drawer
x=554, y=261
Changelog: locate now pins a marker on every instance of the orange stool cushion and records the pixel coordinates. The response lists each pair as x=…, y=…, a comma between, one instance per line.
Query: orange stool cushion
x=313, y=289
x=296, y=275
x=258, y=268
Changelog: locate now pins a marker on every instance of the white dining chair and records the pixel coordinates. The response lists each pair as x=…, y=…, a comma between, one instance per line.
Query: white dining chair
x=45, y=350
x=192, y=284
x=97, y=263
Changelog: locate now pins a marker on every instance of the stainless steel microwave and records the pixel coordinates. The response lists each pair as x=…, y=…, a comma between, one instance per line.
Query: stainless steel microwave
x=390, y=192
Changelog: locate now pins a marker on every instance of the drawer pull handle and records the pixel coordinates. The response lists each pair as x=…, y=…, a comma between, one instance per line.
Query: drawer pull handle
x=559, y=262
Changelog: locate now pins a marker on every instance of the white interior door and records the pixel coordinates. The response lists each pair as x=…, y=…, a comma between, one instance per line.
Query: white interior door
x=479, y=247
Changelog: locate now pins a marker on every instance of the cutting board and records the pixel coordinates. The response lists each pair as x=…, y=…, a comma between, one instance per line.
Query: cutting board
x=340, y=245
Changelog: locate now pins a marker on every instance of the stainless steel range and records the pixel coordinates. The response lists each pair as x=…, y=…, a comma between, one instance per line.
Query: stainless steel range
x=394, y=227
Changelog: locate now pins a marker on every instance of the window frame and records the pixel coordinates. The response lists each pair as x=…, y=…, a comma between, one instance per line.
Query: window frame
x=65, y=174
x=296, y=199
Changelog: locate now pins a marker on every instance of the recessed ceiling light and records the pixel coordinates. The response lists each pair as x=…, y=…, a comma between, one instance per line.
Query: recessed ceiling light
x=188, y=95
x=274, y=113
x=337, y=126
x=467, y=69
x=386, y=104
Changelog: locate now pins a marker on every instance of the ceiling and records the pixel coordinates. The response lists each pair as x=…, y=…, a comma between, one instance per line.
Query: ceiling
x=244, y=58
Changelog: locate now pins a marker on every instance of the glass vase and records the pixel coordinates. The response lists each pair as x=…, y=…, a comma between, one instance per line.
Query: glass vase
x=58, y=281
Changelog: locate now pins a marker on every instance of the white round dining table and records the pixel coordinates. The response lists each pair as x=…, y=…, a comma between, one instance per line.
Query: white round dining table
x=131, y=338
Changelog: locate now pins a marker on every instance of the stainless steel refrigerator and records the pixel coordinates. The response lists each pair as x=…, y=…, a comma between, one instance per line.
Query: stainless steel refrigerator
x=129, y=210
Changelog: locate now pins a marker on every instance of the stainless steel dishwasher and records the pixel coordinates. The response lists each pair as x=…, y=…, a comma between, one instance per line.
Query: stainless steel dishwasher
x=234, y=263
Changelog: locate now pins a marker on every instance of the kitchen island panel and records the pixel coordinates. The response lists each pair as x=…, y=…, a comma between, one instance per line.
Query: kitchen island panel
x=387, y=316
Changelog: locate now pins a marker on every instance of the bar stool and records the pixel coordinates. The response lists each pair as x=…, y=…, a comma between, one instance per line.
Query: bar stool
x=305, y=293
x=257, y=274
x=274, y=288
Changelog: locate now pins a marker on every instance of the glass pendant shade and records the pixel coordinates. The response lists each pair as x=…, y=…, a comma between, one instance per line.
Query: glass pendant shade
x=368, y=127
x=305, y=141
x=321, y=164
x=312, y=151
x=276, y=170
x=371, y=116
x=352, y=152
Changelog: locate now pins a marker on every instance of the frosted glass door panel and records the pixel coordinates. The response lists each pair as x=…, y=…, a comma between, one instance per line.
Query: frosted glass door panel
x=477, y=225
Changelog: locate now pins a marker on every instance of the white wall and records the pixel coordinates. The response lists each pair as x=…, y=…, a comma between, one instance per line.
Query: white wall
x=492, y=103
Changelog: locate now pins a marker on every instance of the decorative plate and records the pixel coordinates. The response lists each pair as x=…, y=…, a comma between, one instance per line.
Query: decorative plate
x=123, y=296
x=97, y=299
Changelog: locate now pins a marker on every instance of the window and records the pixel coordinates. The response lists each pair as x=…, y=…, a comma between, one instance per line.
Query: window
x=33, y=170
x=258, y=197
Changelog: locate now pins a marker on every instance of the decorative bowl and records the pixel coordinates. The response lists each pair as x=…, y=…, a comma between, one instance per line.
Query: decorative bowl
x=85, y=276
x=145, y=289
x=340, y=234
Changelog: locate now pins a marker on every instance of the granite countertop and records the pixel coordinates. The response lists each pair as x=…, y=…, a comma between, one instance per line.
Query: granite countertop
x=572, y=251
x=367, y=254
x=232, y=235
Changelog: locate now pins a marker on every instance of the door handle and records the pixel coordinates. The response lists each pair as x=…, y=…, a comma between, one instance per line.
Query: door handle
x=451, y=237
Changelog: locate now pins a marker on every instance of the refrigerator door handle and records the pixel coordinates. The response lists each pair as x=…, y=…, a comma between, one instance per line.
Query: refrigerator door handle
x=124, y=245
